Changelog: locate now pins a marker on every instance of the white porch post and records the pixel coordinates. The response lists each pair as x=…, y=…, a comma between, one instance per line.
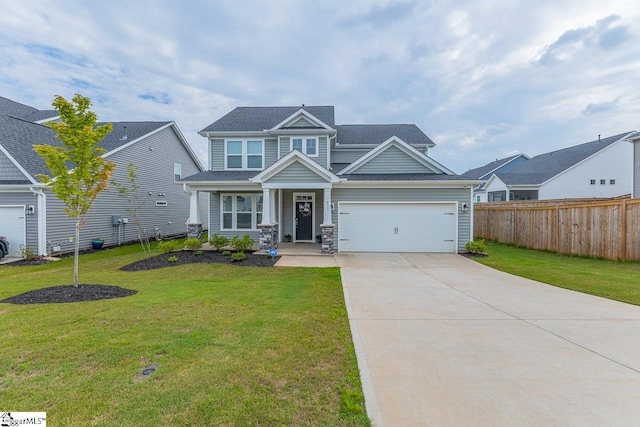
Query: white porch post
x=266, y=206
x=194, y=211
x=272, y=205
x=327, y=206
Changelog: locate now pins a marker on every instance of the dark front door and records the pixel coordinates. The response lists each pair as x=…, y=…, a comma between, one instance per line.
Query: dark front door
x=304, y=220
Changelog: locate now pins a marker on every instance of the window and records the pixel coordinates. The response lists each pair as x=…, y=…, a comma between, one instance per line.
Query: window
x=477, y=198
x=593, y=182
x=603, y=181
x=244, y=154
x=241, y=211
x=612, y=181
x=306, y=145
x=177, y=171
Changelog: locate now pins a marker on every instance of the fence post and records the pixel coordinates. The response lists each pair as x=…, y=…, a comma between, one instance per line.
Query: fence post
x=557, y=237
x=622, y=252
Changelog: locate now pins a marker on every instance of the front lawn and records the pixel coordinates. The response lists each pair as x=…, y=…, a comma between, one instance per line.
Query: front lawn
x=615, y=280
x=234, y=346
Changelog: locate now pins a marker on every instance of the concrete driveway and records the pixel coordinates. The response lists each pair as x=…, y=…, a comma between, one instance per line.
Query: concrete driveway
x=442, y=340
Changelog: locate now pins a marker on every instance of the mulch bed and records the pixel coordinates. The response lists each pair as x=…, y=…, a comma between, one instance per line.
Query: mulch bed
x=69, y=293
x=188, y=257
x=474, y=254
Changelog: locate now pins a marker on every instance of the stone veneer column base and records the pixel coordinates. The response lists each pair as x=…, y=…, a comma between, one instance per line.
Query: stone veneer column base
x=268, y=236
x=194, y=230
x=328, y=246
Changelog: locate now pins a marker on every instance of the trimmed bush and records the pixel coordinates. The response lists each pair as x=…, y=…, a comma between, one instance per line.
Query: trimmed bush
x=218, y=242
x=242, y=244
x=28, y=253
x=226, y=253
x=193, y=244
x=198, y=252
x=173, y=258
x=167, y=246
x=239, y=256
x=476, y=246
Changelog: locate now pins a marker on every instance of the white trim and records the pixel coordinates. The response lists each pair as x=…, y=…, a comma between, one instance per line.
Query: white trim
x=287, y=160
x=16, y=164
x=405, y=184
x=406, y=148
x=313, y=216
x=234, y=211
x=42, y=220
x=280, y=215
x=244, y=155
x=304, y=139
x=296, y=116
x=174, y=171
x=297, y=186
x=48, y=119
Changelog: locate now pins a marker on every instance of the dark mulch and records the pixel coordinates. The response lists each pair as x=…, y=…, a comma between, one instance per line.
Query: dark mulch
x=474, y=254
x=188, y=257
x=69, y=293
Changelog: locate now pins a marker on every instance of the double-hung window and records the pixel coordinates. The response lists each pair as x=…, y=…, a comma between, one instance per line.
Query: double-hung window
x=305, y=144
x=177, y=172
x=244, y=154
x=241, y=211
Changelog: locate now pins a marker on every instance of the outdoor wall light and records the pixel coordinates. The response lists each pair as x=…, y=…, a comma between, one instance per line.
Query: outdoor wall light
x=465, y=207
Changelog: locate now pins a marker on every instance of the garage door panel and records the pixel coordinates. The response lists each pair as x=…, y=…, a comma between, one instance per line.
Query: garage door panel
x=397, y=227
x=12, y=226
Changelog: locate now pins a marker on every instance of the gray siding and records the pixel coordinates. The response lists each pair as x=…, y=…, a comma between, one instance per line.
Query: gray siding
x=285, y=148
x=393, y=160
x=25, y=199
x=9, y=171
x=155, y=175
x=270, y=151
x=296, y=173
x=214, y=209
x=301, y=123
x=347, y=155
x=216, y=162
x=636, y=170
x=460, y=195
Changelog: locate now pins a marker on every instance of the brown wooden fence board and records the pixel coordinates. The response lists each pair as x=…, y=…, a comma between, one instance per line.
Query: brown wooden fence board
x=596, y=228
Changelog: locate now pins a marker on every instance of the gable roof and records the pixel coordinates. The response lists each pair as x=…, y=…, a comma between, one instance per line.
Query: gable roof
x=257, y=119
x=491, y=167
x=545, y=166
x=293, y=157
x=377, y=134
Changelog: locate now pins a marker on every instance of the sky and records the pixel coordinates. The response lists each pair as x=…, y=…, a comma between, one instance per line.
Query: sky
x=484, y=80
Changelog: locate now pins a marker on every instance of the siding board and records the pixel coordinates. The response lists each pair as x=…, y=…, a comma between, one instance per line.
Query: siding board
x=9, y=171
x=393, y=160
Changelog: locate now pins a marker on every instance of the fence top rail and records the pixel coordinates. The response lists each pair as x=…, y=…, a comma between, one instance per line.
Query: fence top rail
x=609, y=202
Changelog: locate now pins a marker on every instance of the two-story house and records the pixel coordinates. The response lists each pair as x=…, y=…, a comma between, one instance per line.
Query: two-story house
x=291, y=171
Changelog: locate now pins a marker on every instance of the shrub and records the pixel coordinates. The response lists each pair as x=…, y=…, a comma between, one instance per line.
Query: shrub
x=193, y=244
x=28, y=253
x=173, y=258
x=198, y=252
x=476, y=246
x=239, y=256
x=167, y=246
x=226, y=253
x=218, y=242
x=242, y=244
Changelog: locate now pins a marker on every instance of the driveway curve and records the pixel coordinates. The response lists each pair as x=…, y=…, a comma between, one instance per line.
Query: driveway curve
x=442, y=340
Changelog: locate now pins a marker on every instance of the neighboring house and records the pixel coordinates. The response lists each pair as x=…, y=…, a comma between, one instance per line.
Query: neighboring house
x=635, y=188
x=30, y=215
x=485, y=172
x=279, y=171
x=594, y=169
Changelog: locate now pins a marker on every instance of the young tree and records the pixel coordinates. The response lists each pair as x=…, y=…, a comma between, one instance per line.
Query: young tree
x=79, y=186
x=130, y=193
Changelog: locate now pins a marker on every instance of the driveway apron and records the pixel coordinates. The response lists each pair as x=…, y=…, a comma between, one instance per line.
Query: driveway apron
x=442, y=340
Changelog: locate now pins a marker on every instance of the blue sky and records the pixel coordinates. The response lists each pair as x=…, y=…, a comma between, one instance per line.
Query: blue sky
x=483, y=79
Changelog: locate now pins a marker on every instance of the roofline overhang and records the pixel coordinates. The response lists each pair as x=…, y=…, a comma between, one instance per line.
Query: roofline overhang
x=20, y=188
x=300, y=131
x=232, y=133
x=355, y=146
x=300, y=112
x=406, y=184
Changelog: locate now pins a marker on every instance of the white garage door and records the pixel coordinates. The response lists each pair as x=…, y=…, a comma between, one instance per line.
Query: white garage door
x=397, y=227
x=12, y=226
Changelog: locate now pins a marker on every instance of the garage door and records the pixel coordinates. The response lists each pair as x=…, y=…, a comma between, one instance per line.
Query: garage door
x=12, y=226
x=397, y=227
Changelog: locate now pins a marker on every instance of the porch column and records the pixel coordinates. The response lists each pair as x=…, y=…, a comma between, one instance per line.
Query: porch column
x=194, y=226
x=327, y=207
x=272, y=204
x=266, y=206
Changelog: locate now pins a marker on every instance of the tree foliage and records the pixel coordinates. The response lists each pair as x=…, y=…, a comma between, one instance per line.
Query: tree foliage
x=78, y=171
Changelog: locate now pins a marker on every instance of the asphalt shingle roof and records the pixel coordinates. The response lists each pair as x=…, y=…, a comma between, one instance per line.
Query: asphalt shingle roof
x=376, y=134
x=480, y=172
x=257, y=119
x=545, y=166
x=221, y=176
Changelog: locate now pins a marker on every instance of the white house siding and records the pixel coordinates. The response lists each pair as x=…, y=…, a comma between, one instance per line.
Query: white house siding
x=154, y=175
x=609, y=163
x=636, y=169
x=9, y=171
x=460, y=195
x=24, y=199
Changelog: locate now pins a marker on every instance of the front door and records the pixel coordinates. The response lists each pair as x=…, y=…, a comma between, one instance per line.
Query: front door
x=303, y=217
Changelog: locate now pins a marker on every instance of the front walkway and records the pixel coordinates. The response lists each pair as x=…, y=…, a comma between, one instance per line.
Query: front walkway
x=442, y=340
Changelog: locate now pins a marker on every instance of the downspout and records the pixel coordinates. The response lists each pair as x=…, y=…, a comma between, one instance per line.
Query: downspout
x=42, y=220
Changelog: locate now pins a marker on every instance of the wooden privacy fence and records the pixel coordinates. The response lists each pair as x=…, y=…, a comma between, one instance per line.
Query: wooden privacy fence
x=608, y=229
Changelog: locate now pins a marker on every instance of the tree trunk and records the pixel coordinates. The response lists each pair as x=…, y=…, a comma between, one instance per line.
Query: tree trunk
x=76, y=253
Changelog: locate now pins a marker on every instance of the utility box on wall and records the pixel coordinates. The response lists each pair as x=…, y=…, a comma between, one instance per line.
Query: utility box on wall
x=116, y=220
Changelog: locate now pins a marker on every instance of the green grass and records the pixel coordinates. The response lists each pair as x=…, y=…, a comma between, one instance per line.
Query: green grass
x=615, y=280
x=234, y=345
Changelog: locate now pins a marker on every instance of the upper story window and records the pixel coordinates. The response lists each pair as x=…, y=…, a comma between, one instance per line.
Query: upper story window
x=307, y=145
x=244, y=154
x=177, y=171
